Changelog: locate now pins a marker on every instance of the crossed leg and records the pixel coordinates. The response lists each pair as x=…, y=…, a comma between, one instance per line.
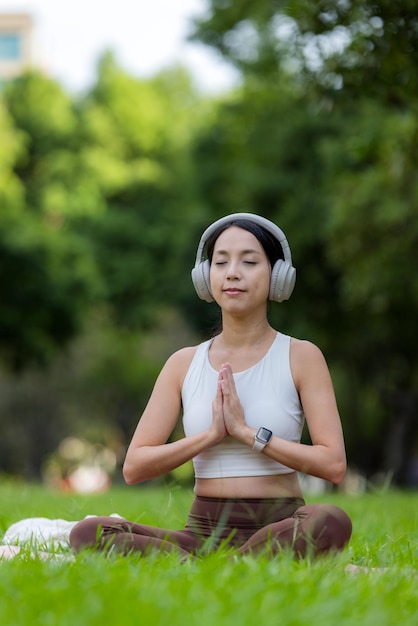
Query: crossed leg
x=313, y=529
x=104, y=533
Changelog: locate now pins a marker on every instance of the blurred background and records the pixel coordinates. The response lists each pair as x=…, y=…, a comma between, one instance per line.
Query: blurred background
x=123, y=133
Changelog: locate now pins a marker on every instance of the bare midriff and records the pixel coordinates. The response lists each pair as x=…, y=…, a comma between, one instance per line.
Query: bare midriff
x=277, y=486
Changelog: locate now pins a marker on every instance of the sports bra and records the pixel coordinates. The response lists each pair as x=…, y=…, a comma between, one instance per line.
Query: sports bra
x=269, y=398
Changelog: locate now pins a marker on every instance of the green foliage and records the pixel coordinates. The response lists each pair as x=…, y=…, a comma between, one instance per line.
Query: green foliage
x=47, y=281
x=365, y=47
x=376, y=54
x=146, y=184
x=103, y=187
x=11, y=145
x=44, y=116
x=47, y=277
x=373, y=227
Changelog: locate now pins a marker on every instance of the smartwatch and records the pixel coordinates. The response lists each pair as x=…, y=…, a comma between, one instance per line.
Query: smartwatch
x=262, y=438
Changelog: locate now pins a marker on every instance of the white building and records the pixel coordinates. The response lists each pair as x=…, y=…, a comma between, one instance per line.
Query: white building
x=16, y=44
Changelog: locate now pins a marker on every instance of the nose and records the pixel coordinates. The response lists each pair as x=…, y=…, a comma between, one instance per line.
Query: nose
x=233, y=271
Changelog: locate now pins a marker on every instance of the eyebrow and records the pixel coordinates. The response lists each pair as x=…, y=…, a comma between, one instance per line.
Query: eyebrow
x=248, y=251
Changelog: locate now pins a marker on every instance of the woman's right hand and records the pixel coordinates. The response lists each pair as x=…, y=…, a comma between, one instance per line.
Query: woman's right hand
x=218, y=423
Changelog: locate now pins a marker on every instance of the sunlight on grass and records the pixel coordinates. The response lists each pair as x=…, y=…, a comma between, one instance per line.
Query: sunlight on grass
x=95, y=589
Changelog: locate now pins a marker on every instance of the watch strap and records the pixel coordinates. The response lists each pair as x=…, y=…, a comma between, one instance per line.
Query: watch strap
x=258, y=445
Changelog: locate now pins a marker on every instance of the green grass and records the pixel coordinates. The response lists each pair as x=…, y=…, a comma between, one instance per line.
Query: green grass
x=97, y=590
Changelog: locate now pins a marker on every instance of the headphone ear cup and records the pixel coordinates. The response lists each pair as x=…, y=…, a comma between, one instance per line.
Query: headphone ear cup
x=201, y=281
x=282, y=282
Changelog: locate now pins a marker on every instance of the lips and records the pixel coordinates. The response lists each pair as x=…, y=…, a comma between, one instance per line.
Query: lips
x=233, y=292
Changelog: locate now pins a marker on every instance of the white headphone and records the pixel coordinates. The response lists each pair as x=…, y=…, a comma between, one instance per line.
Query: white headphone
x=283, y=274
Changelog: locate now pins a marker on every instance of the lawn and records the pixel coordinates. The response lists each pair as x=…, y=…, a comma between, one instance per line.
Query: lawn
x=95, y=590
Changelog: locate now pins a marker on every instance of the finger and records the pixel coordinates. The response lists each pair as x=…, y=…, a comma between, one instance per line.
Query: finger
x=228, y=382
x=218, y=399
x=228, y=375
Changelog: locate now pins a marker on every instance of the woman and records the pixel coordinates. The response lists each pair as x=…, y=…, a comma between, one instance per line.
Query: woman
x=244, y=395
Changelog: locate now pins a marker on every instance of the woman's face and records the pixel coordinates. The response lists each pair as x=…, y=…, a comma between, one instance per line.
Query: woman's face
x=240, y=271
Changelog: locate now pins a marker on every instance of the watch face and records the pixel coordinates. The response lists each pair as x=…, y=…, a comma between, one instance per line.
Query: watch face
x=264, y=435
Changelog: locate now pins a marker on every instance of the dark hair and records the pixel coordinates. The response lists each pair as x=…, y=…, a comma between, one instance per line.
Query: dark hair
x=268, y=241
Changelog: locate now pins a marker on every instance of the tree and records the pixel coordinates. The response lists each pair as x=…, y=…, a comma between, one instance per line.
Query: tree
x=139, y=134
x=47, y=277
x=105, y=195
x=362, y=47
x=11, y=190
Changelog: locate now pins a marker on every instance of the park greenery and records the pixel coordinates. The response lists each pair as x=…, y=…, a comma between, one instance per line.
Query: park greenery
x=92, y=589
x=104, y=195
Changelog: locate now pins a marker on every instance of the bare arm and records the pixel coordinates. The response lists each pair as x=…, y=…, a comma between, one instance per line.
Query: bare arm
x=149, y=455
x=326, y=457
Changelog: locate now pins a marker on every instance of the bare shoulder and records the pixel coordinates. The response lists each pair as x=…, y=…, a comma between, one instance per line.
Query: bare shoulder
x=183, y=356
x=179, y=362
x=306, y=357
x=303, y=349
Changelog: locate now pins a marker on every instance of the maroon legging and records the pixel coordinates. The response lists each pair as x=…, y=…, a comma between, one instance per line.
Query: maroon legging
x=250, y=526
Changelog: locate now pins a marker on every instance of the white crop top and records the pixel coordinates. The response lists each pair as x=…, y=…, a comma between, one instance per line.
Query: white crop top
x=269, y=397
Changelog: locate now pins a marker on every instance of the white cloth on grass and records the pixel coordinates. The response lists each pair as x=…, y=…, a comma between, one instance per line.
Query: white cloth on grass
x=42, y=531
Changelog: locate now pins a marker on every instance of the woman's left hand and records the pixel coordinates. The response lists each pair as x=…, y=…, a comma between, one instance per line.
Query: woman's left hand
x=232, y=408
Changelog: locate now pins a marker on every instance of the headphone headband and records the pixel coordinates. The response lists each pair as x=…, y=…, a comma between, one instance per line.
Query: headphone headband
x=283, y=273
x=257, y=219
